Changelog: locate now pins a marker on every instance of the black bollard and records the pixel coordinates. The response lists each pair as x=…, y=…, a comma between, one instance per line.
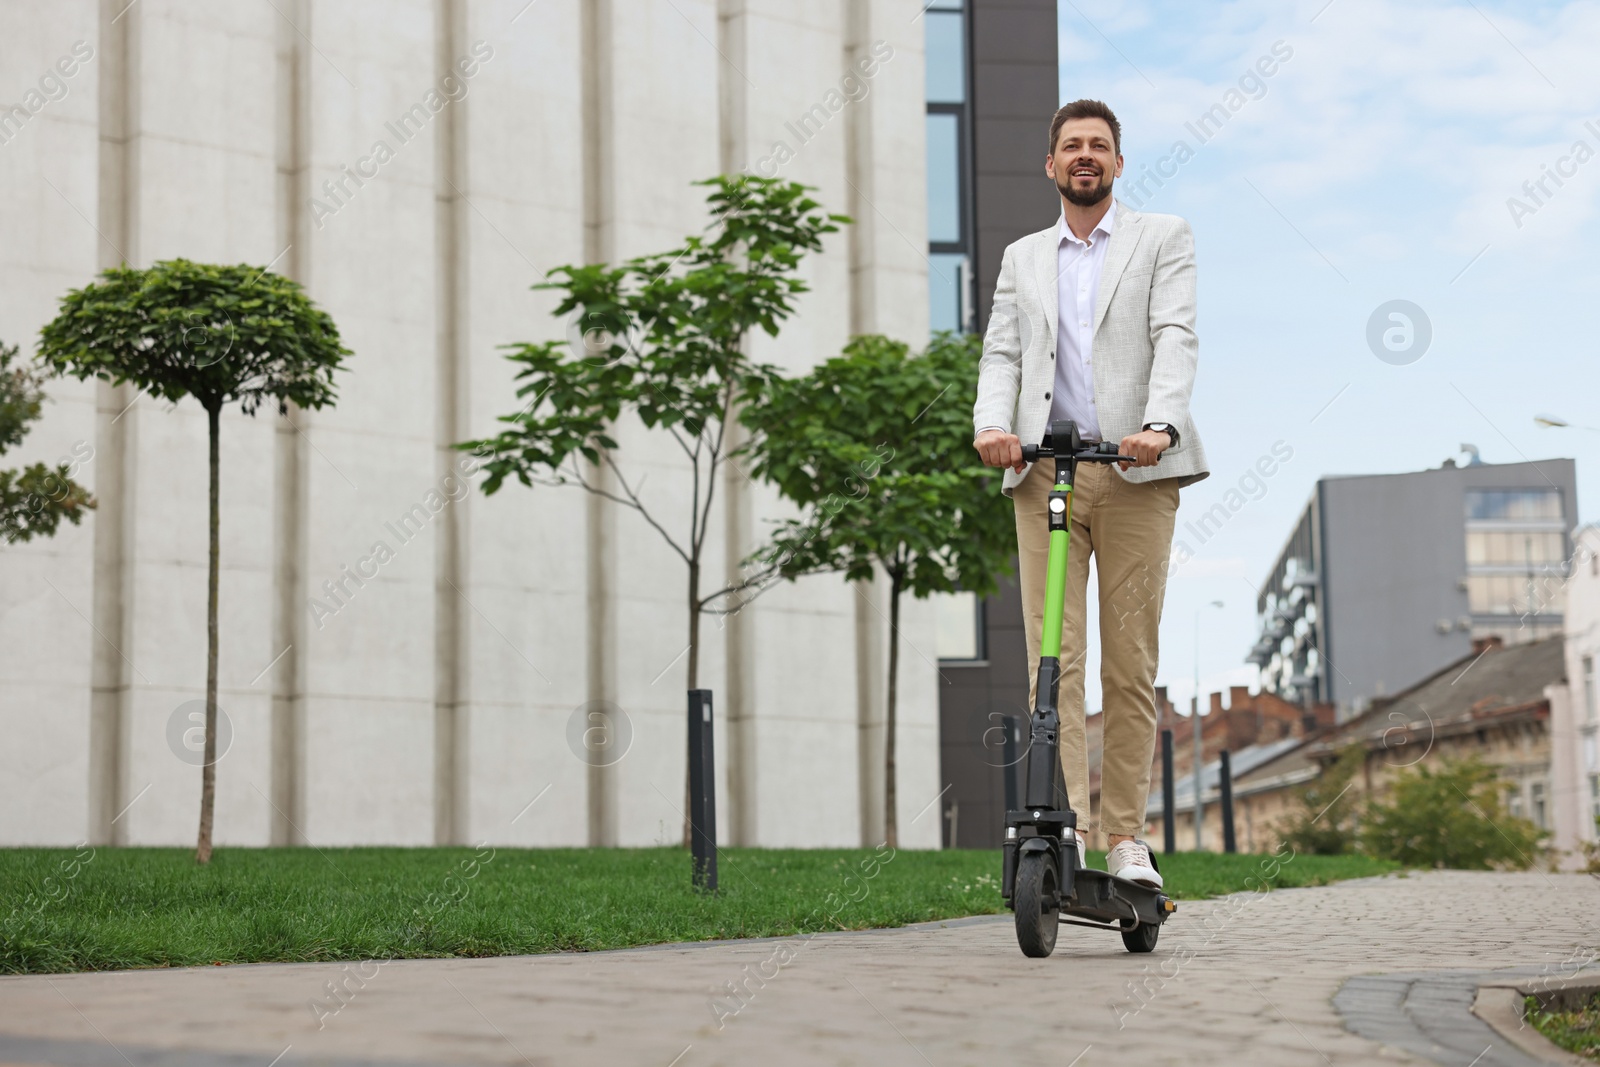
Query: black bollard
x=702, y=792
x=1225, y=779
x=1169, y=835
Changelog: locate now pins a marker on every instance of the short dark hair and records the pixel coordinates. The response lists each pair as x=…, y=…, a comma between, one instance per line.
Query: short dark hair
x=1086, y=109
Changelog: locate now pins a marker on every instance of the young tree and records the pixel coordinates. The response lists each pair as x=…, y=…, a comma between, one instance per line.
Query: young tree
x=35, y=499
x=663, y=340
x=220, y=334
x=1450, y=816
x=875, y=446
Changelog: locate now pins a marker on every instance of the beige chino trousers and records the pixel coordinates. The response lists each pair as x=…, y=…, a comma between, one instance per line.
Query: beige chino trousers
x=1127, y=527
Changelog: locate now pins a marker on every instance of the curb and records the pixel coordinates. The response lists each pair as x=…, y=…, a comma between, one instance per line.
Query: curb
x=1501, y=1006
x=1457, y=1016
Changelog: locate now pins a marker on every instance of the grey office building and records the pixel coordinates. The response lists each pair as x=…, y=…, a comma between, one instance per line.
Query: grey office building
x=1387, y=578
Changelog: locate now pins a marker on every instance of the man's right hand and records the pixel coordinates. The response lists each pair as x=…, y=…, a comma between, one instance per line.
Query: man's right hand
x=1000, y=449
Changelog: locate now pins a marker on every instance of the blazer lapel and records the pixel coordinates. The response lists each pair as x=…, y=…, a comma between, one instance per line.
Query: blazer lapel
x=1047, y=270
x=1124, y=239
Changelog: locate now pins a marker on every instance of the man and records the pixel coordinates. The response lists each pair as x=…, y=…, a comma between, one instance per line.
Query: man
x=1093, y=321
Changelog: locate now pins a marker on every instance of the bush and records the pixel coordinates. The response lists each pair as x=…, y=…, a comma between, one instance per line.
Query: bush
x=1451, y=817
x=1323, y=820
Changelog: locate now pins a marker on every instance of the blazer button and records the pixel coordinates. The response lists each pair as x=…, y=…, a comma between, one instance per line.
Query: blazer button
x=1047, y=396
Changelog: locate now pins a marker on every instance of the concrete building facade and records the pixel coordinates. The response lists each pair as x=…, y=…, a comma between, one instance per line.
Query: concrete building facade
x=418, y=165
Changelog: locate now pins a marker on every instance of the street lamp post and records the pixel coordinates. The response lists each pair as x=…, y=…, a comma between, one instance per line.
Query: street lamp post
x=1194, y=717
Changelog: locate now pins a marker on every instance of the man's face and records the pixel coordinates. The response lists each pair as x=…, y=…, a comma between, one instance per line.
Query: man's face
x=1085, y=163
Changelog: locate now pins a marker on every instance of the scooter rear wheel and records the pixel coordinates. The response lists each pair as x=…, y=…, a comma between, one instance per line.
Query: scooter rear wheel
x=1141, y=938
x=1036, y=904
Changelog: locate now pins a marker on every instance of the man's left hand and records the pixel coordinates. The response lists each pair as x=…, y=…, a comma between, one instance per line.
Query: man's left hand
x=1145, y=446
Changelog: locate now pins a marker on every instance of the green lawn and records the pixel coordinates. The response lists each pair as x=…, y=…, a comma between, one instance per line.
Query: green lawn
x=1576, y=1031
x=66, y=910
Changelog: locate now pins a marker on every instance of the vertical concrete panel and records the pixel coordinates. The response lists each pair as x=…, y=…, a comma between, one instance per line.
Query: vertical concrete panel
x=526, y=550
x=373, y=494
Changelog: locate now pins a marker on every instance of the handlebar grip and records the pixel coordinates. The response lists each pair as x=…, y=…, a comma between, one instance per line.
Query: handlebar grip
x=1030, y=453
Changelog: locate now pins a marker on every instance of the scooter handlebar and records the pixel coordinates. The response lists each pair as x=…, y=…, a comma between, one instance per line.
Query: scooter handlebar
x=1104, y=452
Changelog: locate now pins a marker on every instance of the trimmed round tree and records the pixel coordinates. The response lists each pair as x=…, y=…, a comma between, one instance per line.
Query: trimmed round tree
x=221, y=335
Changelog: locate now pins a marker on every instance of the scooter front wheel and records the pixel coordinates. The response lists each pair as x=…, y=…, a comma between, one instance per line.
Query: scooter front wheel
x=1037, y=905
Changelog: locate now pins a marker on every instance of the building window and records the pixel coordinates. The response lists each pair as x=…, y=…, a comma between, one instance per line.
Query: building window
x=1507, y=548
x=1514, y=799
x=1536, y=803
x=949, y=139
x=1516, y=574
x=948, y=286
x=959, y=622
x=944, y=178
x=1594, y=801
x=1512, y=505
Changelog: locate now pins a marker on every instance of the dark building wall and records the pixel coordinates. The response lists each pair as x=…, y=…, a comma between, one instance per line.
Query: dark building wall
x=975, y=700
x=1394, y=554
x=1015, y=91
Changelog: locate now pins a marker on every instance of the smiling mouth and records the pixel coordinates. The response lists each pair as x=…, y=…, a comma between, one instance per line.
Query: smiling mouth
x=1085, y=172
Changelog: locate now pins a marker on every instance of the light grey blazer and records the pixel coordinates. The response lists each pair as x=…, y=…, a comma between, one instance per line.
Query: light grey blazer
x=1145, y=348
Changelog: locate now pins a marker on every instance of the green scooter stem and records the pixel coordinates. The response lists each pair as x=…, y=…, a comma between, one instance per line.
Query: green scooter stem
x=1055, y=582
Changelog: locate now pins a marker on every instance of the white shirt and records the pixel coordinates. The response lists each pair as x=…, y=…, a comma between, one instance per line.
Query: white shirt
x=1078, y=265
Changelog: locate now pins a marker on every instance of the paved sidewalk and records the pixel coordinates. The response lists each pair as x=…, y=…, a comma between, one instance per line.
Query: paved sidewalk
x=1247, y=979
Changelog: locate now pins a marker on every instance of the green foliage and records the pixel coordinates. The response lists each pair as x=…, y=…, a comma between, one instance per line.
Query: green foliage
x=1323, y=818
x=1450, y=817
x=875, y=446
x=217, y=333
x=34, y=499
x=661, y=336
x=1576, y=1029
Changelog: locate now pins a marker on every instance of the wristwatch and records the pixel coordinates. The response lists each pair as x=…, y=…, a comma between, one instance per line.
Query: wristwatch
x=1166, y=428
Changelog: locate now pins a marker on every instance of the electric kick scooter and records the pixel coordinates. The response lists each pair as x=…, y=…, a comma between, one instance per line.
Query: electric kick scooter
x=1044, y=878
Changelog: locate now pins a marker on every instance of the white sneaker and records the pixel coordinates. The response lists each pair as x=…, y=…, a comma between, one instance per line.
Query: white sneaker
x=1131, y=860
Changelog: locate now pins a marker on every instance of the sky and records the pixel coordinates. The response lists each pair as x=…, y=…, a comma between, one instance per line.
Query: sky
x=1382, y=159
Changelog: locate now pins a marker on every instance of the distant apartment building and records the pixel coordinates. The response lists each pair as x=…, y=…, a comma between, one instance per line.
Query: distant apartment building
x=1386, y=578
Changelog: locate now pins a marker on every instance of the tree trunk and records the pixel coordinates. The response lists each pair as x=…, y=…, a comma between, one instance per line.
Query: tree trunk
x=891, y=829
x=694, y=679
x=208, y=772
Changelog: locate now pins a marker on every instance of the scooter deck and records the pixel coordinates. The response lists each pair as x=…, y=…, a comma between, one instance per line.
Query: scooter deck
x=1103, y=898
